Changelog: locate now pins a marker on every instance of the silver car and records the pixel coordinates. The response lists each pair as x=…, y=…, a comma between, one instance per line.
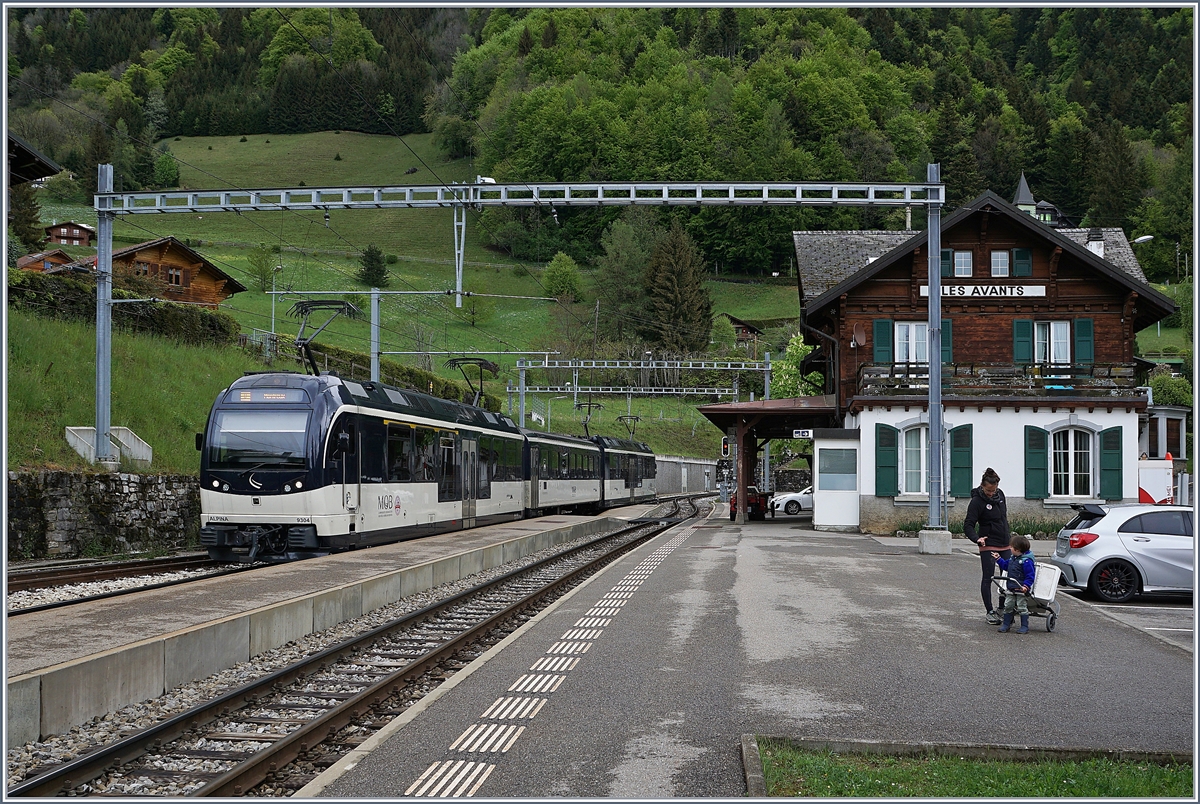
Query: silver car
x=1118, y=551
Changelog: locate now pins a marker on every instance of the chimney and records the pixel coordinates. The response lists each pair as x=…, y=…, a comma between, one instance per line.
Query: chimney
x=1095, y=241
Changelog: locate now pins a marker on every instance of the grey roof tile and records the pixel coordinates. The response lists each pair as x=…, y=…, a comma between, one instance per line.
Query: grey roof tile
x=1117, y=250
x=826, y=258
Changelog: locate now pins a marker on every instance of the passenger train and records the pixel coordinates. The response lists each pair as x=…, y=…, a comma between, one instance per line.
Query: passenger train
x=294, y=466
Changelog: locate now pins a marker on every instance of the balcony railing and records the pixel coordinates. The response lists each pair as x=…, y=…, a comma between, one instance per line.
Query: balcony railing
x=990, y=379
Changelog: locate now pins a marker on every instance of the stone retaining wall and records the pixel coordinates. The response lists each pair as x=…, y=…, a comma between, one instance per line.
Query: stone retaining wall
x=67, y=514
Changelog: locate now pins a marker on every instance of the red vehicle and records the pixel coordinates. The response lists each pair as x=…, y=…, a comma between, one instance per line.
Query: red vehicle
x=756, y=507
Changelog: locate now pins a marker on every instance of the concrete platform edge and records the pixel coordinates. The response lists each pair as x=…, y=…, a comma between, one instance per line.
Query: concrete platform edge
x=756, y=785
x=349, y=761
x=28, y=720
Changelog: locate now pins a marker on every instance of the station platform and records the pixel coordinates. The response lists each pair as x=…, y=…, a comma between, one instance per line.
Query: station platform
x=67, y=665
x=641, y=682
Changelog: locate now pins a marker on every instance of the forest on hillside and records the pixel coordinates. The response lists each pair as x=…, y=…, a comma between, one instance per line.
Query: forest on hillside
x=1094, y=105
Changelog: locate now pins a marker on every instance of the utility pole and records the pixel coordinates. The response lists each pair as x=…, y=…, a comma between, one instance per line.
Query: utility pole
x=936, y=537
x=104, y=228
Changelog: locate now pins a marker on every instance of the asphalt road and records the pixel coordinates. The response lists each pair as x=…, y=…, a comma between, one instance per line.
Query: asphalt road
x=773, y=628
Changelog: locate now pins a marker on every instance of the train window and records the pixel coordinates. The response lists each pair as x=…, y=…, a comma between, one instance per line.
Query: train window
x=399, y=454
x=484, y=485
x=274, y=439
x=448, y=464
x=512, y=454
x=425, y=455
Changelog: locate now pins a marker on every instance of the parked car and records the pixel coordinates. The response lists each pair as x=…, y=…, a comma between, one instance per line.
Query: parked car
x=1118, y=551
x=793, y=502
x=756, y=504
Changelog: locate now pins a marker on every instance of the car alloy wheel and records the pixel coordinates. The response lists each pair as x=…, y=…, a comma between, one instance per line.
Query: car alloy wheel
x=1114, y=580
x=792, y=507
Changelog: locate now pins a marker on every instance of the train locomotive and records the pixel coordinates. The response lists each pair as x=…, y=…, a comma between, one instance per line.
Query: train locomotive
x=294, y=466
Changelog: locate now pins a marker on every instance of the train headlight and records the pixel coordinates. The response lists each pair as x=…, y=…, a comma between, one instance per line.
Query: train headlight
x=216, y=483
x=299, y=485
x=225, y=487
x=287, y=488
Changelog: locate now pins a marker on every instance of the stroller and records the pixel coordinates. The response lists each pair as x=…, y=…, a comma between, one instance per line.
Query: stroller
x=1040, y=595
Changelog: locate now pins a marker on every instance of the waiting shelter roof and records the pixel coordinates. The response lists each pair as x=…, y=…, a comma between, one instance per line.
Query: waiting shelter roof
x=775, y=418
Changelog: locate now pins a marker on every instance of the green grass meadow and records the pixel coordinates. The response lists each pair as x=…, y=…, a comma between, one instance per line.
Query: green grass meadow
x=796, y=773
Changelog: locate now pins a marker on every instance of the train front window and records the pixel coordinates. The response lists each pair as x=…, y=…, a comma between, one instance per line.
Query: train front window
x=262, y=439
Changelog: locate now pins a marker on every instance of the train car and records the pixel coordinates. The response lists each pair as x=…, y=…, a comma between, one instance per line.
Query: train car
x=563, y=473
x=628, y=470
x=294, y=466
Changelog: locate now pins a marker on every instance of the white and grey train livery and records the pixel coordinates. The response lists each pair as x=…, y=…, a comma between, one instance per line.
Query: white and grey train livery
x=294, y=466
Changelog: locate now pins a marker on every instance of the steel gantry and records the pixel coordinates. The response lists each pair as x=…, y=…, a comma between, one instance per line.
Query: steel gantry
x=487, y=193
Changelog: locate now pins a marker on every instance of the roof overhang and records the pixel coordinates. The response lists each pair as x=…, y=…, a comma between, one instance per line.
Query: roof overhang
x=26, y=163
x=774, y=418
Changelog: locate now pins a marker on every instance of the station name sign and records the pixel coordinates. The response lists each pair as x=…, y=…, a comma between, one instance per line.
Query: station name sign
x=996, y=291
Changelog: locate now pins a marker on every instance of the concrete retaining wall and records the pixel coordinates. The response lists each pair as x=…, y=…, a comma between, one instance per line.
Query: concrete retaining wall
x=52, y=700
x=65, y=514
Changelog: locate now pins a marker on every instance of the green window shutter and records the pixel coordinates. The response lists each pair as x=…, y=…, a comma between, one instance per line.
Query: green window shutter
x=1085, y=342
x=947, y=342
x=1111, y=479
x=1022, y=340
x=1037, y=473
x=947, y=261
x=887, y=461
x=1022, y=259
x=882, y=340
x=961, y=470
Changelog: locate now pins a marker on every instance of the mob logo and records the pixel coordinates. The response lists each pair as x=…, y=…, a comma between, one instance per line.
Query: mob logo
x=388, y=504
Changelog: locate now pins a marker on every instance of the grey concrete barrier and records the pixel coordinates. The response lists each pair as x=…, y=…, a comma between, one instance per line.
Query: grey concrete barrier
x=51, y=700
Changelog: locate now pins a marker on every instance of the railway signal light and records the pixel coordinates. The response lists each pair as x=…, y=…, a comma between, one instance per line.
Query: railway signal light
x=724, y=446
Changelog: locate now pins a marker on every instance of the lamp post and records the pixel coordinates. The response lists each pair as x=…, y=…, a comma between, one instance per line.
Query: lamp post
x=1147, y=239
x=549, y=402
x=274, y=272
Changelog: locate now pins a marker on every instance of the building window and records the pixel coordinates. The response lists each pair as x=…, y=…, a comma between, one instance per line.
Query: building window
x=75, y=232
x=1052, y=342
x=999, y=263
x=1072, y=463
x=73, y=243
x=175, y=276
x=962, y=263
x=837, y=469
x=915, y=461
x=912, y=342
x=141, y=269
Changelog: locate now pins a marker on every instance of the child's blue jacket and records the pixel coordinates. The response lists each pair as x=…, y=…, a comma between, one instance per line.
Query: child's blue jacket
x=1018, y=567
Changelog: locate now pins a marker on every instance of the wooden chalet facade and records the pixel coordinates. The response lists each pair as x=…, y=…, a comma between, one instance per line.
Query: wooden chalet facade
x=1039, y=376
x=71, y=233
x=44, y=260
x=187, y=276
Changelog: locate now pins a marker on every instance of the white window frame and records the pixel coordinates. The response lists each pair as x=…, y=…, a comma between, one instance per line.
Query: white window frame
x=1052, y=342
x=1000, y=263
x=962, y=267
x=1073, y=463
x=920, y=458
x=911, y=339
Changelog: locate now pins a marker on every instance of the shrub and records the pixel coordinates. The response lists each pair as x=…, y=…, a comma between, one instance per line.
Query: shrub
x=210, y=147
x=243, y=139
x=520, y=271
x=337, y=157
x=392, y=259
x=177, y=139
x=562, y=278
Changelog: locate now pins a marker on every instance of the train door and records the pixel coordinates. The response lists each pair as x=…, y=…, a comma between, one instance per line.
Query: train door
x=345, y=455
x=534, y=476
x=470, y=482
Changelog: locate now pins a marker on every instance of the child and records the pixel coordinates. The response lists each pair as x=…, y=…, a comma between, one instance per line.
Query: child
x=1020, y=580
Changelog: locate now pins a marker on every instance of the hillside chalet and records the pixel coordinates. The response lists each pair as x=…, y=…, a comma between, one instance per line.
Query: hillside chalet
x=1039, y=375
x=70, y=233
x=44, y=260
x=186, y=275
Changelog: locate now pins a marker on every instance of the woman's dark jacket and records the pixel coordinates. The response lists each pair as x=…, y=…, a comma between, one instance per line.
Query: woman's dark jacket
x=987, y=518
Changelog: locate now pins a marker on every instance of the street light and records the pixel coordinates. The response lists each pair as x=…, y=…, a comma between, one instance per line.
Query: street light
x=1143, y=239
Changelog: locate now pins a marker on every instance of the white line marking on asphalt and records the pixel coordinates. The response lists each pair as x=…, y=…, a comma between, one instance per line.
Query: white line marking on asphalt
x=1185, y=630
x=554, y=665
x=583, y=633
x=569, y=647
x=510, y=708
x=593, y=622
x=536, y=683
x=603, y=612
x=1152, y=608
x=450, y=779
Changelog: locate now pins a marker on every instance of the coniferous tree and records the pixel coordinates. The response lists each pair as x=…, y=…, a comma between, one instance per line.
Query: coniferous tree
x=678, y=306
x=373, y=272
x=1117, y=178
x=26, y=216
x=627, y=245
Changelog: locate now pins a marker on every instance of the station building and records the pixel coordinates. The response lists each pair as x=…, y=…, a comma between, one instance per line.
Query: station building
x=1039, y=376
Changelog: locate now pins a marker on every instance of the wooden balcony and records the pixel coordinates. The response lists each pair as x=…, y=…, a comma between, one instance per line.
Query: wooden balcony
x=1005, y=379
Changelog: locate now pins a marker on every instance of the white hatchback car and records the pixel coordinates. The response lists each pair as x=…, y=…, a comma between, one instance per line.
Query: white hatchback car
x=1118, y=551
x=793, y=502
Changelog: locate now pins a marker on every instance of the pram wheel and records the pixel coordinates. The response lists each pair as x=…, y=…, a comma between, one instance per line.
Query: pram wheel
x=1051, y=619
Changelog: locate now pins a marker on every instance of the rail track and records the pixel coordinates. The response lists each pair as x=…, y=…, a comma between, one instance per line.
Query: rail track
x=322, y=707
x=56, y=577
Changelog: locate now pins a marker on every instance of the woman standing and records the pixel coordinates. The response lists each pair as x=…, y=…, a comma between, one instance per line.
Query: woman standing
x=987, y=525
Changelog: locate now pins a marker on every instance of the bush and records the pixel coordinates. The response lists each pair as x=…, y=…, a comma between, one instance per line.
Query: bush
x=243, y=139
x=337, y=157
x=177, y=139
x=562, y=278
x=392, y=259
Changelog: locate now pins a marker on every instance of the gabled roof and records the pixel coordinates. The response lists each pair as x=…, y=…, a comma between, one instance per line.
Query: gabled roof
x=1116, y=248
x=75, y=224
x=1124, y=272
x=231, y=284
x=26, y=163
x=43, y=255
x=739, y=322
x=830, y=257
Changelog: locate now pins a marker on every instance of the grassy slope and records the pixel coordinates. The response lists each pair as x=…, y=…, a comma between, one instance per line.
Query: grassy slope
x=164, y=391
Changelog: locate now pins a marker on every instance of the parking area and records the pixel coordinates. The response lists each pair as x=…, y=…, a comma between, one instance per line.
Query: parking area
x=1166, y=616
